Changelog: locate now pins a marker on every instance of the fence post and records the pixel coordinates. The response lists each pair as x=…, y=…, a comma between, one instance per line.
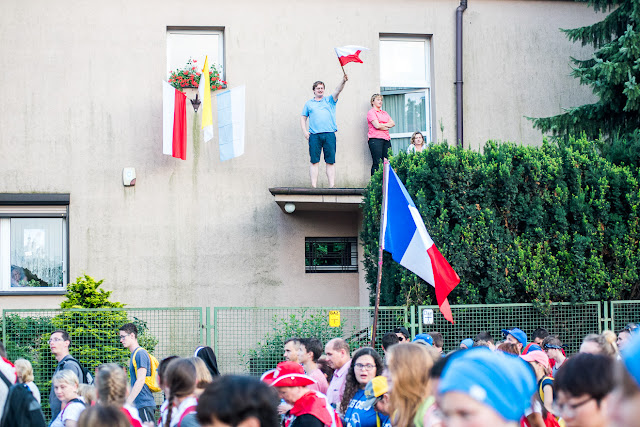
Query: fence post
x=215, y=329
x=605, y=319
x=413, y=321
x=207, y=326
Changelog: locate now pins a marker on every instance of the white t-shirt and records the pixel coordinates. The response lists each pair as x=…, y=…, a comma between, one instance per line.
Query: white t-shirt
x=70, y=412
x=34, y=390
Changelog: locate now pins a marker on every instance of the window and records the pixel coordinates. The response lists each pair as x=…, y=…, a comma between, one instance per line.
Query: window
x=405, y=80
x=33, y=242
x=184, y=43
x=331, y=254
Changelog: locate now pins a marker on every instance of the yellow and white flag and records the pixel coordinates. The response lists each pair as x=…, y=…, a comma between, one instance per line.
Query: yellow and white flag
x=204, y=90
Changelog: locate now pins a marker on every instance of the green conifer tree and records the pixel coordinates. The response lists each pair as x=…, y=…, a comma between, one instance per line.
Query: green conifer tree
x=612, y=73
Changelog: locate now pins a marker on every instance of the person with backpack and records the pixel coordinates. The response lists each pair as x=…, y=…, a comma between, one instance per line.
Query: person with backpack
x=65, y=385
x=59, y=343
x=142, y=371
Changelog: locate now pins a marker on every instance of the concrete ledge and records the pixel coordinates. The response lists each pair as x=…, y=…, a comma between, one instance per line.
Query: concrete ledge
x=318, y=199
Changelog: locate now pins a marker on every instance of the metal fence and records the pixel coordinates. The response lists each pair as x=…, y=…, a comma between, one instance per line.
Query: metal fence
x=571, y=322
x=250, y=340
x=95, y=338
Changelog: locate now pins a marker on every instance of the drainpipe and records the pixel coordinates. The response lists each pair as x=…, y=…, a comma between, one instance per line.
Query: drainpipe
x=459, y=11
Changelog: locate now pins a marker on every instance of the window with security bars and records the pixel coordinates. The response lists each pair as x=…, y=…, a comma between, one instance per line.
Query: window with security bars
x=33, y=242
x=331, y=255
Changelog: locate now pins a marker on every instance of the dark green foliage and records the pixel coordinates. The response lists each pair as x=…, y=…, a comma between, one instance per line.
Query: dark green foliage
x=612, y=73
x=92, y=322
x=518, y=224
x=269, y=351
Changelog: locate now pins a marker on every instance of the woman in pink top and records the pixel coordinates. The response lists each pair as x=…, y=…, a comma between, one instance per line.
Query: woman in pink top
x=379, y=124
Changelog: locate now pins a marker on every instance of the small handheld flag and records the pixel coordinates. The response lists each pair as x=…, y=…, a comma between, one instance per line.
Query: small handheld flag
x=349, y=53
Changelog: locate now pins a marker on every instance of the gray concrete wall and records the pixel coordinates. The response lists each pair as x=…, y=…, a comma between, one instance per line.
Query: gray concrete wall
x=82, y=100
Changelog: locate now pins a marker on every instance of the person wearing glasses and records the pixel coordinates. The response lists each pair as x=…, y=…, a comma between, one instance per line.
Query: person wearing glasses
x=140, y=395
x=625, y=335
x=59, y=343
x=554, y=349
x=366, y=365
x=379, y=123
x=404, y=337
x=581, y=390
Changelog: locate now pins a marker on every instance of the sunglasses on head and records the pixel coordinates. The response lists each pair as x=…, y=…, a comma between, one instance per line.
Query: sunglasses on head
x=631, y=327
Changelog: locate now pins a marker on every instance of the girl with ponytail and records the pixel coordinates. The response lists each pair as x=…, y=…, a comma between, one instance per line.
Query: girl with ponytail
x=180, y=381
x=111, y=388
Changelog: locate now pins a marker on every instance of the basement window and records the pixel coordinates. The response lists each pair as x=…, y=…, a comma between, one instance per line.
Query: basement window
x=331, y=255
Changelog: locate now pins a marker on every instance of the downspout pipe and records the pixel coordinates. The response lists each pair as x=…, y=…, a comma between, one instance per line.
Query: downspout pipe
x=459, y=129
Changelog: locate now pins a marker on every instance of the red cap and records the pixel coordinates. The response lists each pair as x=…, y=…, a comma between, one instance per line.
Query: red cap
x=287, y=374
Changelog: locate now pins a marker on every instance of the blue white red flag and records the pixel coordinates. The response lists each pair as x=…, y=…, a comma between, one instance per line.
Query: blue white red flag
x=408, y=241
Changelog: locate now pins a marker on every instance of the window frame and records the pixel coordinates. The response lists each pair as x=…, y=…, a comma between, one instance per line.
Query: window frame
x=14, y=205
x=353, y=255
x=425, y=87
x=199, y=31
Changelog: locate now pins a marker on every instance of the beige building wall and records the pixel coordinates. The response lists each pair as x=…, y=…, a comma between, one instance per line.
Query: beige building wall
x=82, y=100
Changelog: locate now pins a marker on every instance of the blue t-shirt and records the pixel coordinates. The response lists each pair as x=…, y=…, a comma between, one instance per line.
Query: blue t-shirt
x=357, y=416
x=145, y=397
x=322, y=114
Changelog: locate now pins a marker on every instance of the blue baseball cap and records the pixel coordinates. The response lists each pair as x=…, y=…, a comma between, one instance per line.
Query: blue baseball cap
x=631, y=358
x=501, y=381
x=517, y=334
x=423, y=339
x=467, y=342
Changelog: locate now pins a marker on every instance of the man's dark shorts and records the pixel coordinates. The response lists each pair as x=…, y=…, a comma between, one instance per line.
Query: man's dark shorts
x=322, y=141
x=147, y=413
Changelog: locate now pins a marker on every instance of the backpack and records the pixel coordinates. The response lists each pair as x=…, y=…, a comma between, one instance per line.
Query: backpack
x=151, y=378
x=21, y=409
x=87, y=378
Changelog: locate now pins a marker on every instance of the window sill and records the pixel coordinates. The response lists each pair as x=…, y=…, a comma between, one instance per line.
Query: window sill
x=33, y=292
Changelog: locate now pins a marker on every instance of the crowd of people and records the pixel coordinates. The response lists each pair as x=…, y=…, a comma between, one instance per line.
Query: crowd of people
x=413, y=382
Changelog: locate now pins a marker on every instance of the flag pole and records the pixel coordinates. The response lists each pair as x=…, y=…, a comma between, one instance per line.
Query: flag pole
x=385, y=174
x=342, y=66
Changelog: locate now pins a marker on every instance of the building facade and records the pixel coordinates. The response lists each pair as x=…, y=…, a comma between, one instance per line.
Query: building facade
x=83, y=100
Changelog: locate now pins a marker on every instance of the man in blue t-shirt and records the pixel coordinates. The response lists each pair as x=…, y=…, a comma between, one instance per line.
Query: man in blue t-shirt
x=321, y=129
x=140, y=395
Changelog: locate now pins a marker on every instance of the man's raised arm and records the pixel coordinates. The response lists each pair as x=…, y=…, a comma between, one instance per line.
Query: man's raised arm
x=336, y=94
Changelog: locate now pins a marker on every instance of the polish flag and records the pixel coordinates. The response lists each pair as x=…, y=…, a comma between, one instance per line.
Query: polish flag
x=174, y=122
x=349, y=53
x=409, y=243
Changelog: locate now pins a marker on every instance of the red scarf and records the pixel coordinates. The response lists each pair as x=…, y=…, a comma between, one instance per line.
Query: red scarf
x=312, y=404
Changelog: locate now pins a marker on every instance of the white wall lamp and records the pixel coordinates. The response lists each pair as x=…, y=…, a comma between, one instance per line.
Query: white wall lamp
x=289, y=207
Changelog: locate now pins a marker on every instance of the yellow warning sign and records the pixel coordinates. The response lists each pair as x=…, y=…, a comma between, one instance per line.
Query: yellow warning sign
x=334, y=319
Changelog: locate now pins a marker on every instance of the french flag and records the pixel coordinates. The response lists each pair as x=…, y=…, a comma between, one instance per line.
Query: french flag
x=349, y=53
x=409, y=243
x=174, y=122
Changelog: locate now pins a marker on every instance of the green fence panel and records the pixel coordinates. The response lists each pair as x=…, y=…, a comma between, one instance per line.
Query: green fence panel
x=623, y=313
x=95, y=338
x=571, y=322
x=250, y=340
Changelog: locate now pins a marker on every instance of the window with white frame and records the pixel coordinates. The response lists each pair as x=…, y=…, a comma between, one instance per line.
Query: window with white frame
x=195, y=43
x=33, y=242
x=405, y=80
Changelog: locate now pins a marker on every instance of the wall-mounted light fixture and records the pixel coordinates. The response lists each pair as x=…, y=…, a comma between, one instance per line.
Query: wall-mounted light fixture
x=289, y=207
x=195, y=103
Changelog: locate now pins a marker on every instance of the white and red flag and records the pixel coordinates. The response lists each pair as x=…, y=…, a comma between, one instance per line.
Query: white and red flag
x=408, y=241
x=174, y=122
x=349, y=53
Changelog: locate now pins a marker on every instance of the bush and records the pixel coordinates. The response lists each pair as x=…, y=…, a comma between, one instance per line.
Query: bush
x=518, y=224
x=94, y=333
x=269, y=352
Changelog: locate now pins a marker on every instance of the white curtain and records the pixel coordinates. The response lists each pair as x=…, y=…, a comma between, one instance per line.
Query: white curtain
x=36, y=252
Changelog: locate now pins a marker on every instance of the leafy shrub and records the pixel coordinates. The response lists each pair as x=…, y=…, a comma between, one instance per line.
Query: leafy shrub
x=269, y=351
x=518, y=224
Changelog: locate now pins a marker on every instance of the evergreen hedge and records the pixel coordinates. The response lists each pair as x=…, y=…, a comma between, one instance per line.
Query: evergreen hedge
x=556, y=223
